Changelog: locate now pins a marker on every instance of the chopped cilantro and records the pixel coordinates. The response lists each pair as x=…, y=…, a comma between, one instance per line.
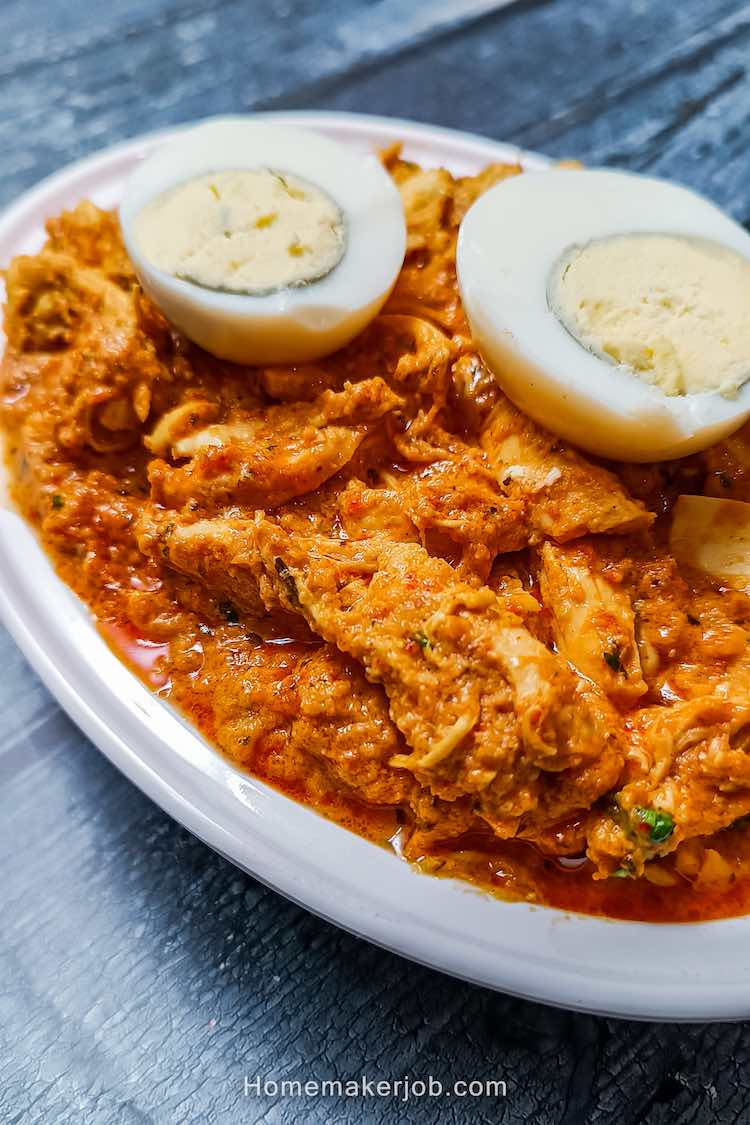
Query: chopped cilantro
x=659, y=825
x=421, y=638
x=57, y=501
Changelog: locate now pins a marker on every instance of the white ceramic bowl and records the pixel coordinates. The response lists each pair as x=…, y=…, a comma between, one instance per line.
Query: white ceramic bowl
x=293, y=324
x=685, y=972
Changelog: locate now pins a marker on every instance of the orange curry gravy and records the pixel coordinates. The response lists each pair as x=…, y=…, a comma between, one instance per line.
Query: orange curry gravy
x=226, y=526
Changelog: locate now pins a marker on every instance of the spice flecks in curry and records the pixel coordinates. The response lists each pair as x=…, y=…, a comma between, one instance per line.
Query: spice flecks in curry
x=376, y=584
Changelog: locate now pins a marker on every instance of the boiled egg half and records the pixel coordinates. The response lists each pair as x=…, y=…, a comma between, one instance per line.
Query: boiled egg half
x=613, y=308
x=261, y=242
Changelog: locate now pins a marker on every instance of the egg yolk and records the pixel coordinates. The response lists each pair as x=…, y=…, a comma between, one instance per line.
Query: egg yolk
x=244, y=231
x=674, y=310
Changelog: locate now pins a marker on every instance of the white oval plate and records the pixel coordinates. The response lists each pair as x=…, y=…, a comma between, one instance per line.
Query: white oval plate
x=681, y=972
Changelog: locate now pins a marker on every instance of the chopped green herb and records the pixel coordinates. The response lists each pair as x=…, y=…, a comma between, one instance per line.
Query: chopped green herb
x=229, y=613
x=421, y=638
x=612, y=658
x=659, y=825
x=57, y=501
x=623, y=872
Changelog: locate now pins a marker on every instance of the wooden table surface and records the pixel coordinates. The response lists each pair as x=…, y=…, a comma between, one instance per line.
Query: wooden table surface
x=142, y=977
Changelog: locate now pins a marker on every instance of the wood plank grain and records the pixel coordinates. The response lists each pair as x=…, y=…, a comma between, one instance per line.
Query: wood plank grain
x=24, y=704
x=66, y=89
x=662, y=88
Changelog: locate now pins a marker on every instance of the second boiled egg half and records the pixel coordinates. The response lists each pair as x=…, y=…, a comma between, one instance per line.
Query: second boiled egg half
x=612, y=308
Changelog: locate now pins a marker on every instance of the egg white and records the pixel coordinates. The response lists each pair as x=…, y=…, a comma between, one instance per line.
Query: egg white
x=510, y=242
x=295, y=324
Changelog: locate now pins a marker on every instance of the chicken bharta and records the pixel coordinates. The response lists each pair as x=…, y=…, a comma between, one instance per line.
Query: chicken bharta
x=375, y=584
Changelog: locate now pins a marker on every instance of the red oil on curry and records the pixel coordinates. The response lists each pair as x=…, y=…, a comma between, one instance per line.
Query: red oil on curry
x=512, y=869
x=148, y=659
x=85, y=487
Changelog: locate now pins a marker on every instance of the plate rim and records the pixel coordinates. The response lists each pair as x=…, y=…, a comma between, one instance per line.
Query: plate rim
x=49, y=623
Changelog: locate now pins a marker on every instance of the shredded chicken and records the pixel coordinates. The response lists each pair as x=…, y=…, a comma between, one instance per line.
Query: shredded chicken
x=593, y=618
x=694, y=760
x=377, y=585
x=481, y=703
x=567, y=495
x=264, y=458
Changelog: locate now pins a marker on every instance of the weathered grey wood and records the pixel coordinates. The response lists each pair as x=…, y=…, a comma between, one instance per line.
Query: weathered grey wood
x=88, y=75
x=141, y=976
